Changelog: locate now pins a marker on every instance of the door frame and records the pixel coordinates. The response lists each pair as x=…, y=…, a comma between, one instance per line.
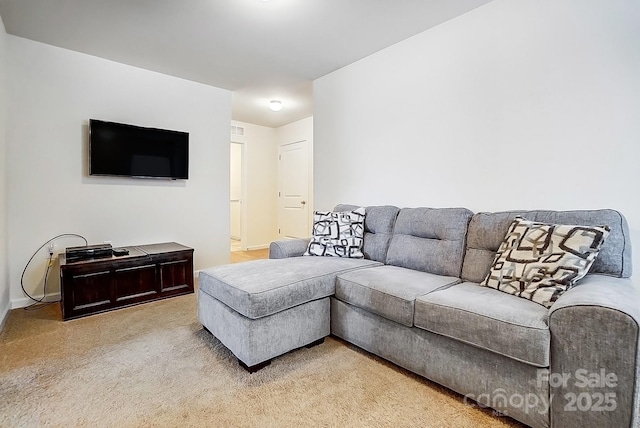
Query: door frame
x=243, y=193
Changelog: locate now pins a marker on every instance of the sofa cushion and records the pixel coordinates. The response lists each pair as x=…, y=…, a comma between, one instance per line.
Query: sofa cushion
x=264, y=287
x=540, y=261
x=378, y=229
x=430, y=240
x=489, y=319
x=486, y=231
x=388, y=291
x=337, y=234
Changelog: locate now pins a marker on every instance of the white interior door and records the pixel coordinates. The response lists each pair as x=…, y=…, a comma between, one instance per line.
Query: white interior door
x=235, y=191
x=293, y=195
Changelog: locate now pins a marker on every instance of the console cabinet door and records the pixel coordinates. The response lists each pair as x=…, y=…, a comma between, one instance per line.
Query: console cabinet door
x=135, y=284
x=85, y=292
x=175, y=275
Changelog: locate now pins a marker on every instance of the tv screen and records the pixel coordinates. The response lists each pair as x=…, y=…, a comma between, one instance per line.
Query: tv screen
x=133, y=151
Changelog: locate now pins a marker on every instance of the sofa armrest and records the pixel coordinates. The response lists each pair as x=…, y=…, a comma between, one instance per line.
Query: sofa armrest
x=594, y=369
x=288, y=248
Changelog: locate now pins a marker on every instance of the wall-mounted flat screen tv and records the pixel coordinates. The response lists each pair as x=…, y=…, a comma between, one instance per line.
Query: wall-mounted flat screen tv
x=124, y=150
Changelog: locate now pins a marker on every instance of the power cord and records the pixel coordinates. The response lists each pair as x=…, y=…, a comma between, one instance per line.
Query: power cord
x=41, y=303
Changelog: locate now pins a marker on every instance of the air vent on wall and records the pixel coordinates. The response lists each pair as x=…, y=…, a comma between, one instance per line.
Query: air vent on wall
x=237, y=130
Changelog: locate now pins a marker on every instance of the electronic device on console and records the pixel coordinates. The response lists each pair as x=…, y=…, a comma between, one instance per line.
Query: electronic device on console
x=120, y=251
x=88, y=252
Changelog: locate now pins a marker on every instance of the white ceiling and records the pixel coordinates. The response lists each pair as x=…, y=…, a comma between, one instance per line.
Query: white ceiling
x=260, y=50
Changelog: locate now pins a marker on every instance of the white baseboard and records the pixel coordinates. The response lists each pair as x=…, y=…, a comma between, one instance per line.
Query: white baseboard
x=25, y=301
x=4, y=314
x=257, y=247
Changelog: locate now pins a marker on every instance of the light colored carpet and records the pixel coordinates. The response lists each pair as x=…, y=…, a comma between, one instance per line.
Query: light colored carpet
x=154, y=365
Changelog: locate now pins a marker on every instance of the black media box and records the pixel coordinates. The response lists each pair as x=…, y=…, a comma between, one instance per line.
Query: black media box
x=84, y=252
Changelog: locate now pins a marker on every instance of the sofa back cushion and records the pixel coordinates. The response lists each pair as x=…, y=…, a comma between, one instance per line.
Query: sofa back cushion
x=487, y=230
x=378, y=229
x=430, y=240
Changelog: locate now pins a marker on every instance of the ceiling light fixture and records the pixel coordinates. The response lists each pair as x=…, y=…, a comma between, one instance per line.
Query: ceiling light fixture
x=275, y=105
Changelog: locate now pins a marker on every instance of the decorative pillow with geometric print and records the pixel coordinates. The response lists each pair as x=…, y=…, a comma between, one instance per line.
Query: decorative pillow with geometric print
x=539, y=261
x=337, y=234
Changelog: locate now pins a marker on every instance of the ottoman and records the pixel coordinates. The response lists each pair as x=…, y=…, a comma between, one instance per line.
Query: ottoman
x=265, y=308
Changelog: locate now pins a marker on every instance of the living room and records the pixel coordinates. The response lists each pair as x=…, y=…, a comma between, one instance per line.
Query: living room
x=513, y=105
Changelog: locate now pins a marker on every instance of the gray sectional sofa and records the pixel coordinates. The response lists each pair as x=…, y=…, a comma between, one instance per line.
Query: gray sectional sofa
x=415, y=300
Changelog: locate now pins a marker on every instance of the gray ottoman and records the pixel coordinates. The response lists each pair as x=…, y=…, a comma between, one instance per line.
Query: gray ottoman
x=265, y=308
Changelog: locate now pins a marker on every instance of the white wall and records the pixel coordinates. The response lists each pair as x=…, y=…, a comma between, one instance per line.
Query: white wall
x=296, y=131
x=5, y=303
x=300, y=130
x=530, y=104
x=260, y=184
x=53, y=93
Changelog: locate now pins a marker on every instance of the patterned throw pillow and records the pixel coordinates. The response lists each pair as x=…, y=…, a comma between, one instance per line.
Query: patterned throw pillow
x=337, y=234
x=539, y=261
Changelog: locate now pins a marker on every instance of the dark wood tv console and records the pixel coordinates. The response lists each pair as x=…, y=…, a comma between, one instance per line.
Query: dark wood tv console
x=148, y=272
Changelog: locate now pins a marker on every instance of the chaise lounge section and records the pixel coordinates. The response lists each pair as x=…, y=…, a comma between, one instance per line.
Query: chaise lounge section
x=265, y=308
x=416, y=300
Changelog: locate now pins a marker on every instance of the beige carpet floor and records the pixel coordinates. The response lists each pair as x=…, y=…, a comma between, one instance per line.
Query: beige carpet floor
x=154, y=365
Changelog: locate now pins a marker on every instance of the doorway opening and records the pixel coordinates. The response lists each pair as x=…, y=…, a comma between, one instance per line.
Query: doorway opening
x=236, y=195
